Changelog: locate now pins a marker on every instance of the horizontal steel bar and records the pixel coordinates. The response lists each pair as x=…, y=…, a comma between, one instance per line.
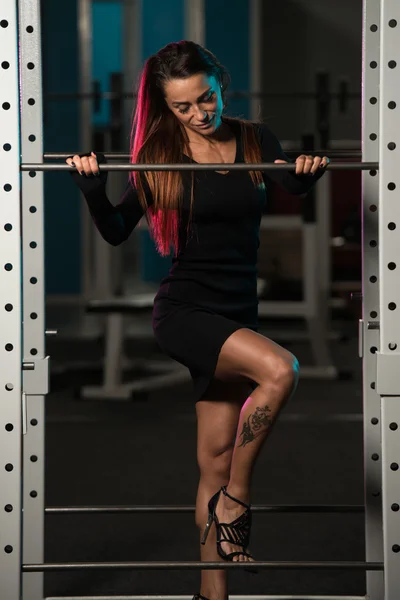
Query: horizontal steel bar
x=289, y=153
x=362, y=166
x=60, y=369
x=159, y=565
x=231, y=596
x=232, y=94
x=338, y=418
x=288, y=508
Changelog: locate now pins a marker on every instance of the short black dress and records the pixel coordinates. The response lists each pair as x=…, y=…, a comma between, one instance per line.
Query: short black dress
x=211, y=289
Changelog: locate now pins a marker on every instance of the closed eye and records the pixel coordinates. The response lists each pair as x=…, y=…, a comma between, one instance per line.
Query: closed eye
x=209, y=98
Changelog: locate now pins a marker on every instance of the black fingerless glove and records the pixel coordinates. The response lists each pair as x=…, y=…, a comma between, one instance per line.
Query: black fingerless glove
x=92, y=184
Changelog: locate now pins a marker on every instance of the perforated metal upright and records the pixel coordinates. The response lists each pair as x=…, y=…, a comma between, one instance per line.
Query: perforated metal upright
x=369, y=338
x=388, y=356
x=10, y=310
x=35, y=381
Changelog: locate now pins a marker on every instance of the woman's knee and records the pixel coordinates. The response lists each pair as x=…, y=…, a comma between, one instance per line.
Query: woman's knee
x=281, y=372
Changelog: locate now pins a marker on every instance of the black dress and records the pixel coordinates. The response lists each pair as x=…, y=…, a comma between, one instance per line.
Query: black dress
x=211, y=289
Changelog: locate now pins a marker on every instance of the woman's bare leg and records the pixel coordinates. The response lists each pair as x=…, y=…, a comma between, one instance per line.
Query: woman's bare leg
x=217, y=417
x=248, y=355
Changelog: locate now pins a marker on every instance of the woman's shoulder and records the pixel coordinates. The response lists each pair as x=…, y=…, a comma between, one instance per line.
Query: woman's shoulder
x=261, y=129
x=256, y=130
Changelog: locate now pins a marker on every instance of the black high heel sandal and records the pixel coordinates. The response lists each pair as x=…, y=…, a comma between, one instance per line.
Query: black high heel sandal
x=199, y=597
x=237, y=532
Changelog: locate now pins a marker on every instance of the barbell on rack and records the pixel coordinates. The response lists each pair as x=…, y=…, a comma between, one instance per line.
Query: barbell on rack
x=362, y=166
x=160, y=509
x=175, y=565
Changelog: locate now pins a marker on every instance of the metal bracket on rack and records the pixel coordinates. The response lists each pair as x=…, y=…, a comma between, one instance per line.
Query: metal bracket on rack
x=36, y=377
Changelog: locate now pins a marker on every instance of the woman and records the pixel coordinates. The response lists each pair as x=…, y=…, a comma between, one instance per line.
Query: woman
x=205, y=312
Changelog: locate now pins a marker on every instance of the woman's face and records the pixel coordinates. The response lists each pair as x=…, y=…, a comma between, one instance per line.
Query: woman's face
x=196, y=102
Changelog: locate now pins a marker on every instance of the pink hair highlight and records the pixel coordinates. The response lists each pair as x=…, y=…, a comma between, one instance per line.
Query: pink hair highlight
x=163, y=224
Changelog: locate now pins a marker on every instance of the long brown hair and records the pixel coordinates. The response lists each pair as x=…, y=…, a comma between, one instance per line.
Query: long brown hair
x=158, y=137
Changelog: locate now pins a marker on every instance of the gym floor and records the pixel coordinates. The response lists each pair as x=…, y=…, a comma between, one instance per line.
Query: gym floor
x=144, y=452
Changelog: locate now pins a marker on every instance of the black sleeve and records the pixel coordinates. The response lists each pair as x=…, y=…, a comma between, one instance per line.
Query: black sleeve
x=271, y=150
x=115, y=223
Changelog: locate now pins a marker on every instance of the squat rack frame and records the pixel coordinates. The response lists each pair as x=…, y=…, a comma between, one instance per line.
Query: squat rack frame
x=24, y=366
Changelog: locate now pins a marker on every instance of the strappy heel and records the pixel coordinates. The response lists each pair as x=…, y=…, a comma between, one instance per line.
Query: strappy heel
x=237, y=532
x=199, y=597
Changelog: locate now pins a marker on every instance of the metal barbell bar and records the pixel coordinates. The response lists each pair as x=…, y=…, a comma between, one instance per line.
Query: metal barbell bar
x=235, y=94
x=232, y=596
x=288, y=508
x=176, y=565
x=362, y=166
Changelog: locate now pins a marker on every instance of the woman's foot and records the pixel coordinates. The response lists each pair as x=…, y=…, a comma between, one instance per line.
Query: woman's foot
x=227, y=511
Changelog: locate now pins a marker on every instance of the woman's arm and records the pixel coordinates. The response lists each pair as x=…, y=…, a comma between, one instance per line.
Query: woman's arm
x=271, y=151
x=114, y=223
